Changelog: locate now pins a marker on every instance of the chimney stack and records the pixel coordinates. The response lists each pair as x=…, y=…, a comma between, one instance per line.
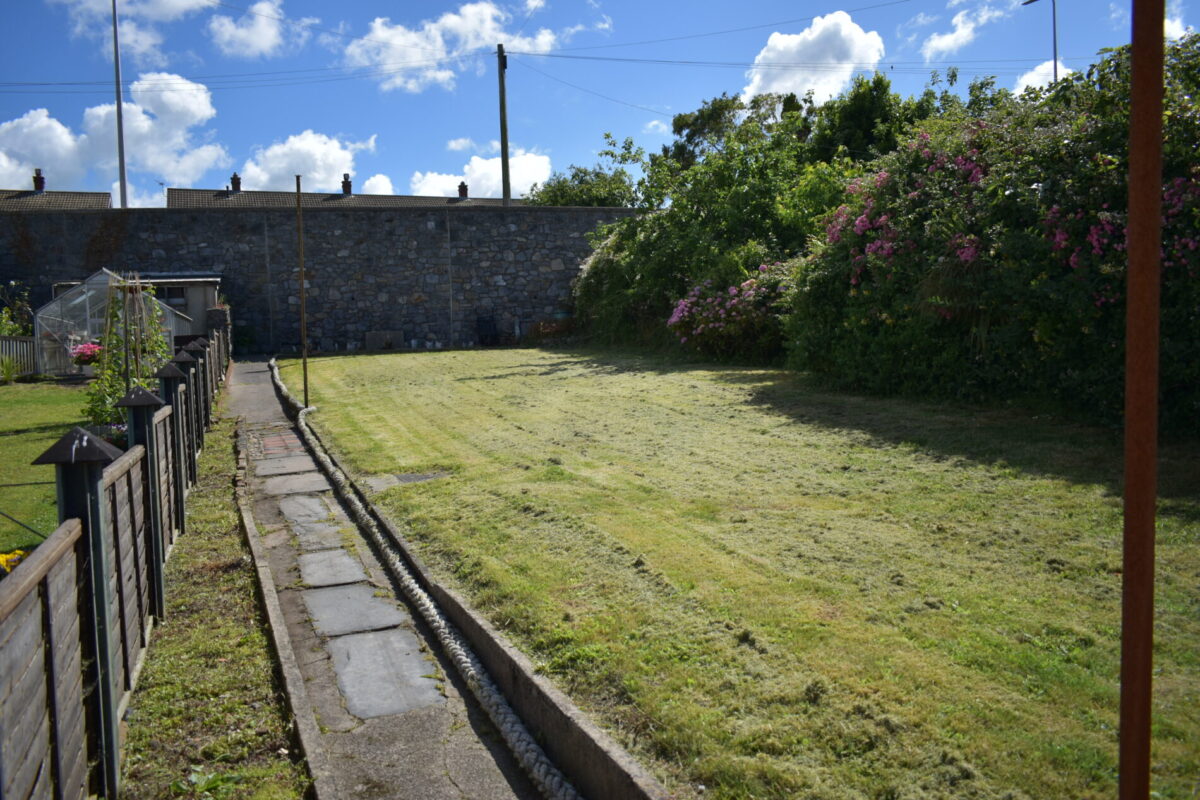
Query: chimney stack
x=39, y=181
x=346, y=183
x=235, y=182
x=462, y=190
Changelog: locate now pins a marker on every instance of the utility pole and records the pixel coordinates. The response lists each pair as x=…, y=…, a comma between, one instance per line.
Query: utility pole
x=120, y=120
x=502, y=65
x=303, y=292
x=1053, y=30
x=1141, y=398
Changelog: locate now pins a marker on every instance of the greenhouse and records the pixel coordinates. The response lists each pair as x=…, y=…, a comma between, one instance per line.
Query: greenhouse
x=70, y=327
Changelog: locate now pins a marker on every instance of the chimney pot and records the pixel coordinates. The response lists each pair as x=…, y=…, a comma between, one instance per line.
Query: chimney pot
x=235, y=182
x=39, y=181
x=462, y=190
x=346, y=183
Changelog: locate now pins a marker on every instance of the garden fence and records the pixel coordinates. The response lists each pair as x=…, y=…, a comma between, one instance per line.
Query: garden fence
x=19, y=349
x=76, y=615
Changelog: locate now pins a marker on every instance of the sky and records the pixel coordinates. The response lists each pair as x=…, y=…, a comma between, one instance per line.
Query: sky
x=403, y=95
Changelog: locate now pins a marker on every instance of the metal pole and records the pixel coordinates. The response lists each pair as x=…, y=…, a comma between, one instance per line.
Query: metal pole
x=120, y=119
x=1054, y=34
x=1141, y=396
x=502, y=65
x=303, y=293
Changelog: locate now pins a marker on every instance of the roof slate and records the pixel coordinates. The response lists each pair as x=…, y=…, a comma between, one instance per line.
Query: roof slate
x=223, y=198
x=25, y=200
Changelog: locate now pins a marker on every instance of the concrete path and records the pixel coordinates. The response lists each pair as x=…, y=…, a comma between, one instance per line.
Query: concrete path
x=393, y=720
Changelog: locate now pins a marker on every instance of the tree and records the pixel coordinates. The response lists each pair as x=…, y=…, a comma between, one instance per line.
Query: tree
x=585, y=186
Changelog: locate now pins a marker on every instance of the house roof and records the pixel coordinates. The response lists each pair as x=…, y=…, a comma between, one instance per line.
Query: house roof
x=224, y=198
x=26, y=200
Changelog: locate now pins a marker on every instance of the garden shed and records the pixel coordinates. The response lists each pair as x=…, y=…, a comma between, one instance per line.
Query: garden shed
x=80, y=315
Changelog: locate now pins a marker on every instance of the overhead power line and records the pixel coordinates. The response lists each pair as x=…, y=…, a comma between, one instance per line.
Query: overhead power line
x=590, y=91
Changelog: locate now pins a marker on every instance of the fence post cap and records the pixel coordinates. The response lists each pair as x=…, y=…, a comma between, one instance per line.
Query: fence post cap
x=78, y=446
x=140, y=398
x=169, y=370
x=200, y=340
x=194, y=345
x=184, y=357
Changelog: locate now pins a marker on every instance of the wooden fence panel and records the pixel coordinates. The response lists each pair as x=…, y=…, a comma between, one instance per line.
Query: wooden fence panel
x=41, y=747
x=21, y=350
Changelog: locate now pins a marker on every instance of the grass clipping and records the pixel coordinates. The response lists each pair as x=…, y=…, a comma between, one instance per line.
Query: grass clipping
x=208, y=718
x=767, y=590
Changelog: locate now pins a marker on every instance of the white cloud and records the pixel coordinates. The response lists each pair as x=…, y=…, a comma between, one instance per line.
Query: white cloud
x=37, y=140
x=1040, y=76
x=657, y=127
x=414, y=59
x=260, y=31
x=141, y=41
x=378, y=184
x=534, y=5
x=833, y=48
x=965, y=24
x=460, y=144
x=321, y=161
x=158, y=123
x=483, y=177
x=160, y=116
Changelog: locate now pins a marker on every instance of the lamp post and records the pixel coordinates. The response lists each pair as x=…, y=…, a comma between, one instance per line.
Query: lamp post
x=1053, y=30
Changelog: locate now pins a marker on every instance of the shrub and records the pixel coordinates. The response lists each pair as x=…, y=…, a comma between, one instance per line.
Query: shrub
x=741, y=320
x=986, y=258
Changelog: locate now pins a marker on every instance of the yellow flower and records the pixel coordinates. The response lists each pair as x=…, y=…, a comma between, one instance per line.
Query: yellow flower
x=9, y=561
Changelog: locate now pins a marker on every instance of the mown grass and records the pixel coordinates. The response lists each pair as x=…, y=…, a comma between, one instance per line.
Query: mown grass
x=768, y=590
x=208, y=718
x=33, y=416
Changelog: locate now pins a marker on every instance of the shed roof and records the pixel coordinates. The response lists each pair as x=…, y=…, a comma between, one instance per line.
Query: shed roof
x=224, y=198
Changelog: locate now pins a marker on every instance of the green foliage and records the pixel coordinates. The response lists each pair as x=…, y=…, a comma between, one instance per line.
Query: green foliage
x=16, y=316
x=742, y=320
x=987, y=258
x=751, y=199
x=585, y=186
x=126, y=363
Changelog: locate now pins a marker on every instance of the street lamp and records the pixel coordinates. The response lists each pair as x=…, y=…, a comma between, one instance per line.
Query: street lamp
x=1053, y=29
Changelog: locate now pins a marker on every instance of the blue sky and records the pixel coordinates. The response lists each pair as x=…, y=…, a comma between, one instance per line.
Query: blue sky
x=403, y=95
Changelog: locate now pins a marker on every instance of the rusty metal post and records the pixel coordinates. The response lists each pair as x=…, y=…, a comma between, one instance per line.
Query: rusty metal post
x=1141, y=396
x=303, y=292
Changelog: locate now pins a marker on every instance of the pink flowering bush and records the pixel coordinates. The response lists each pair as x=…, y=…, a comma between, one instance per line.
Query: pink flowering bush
x=86, y=353
x=740, y=320
x=986, y=257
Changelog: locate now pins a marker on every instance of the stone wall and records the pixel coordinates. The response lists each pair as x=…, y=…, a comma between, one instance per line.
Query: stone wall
x=386, y=277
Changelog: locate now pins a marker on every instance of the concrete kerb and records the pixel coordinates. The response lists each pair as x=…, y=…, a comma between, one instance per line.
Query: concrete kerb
x=307, y=731
x=592, y=760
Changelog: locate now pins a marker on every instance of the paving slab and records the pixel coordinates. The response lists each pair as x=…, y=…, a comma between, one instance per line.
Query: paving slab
x=337, y=610
x=303, y=483
x=284, y=465
x=388, y=711
x=305, y=508
x=384, y=672
x=330, y=568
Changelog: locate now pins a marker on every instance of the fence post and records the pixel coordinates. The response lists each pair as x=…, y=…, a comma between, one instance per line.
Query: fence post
x=142, y=404
x=169, y=378
x=187, y=364
x=198, y=352
x=79, y=458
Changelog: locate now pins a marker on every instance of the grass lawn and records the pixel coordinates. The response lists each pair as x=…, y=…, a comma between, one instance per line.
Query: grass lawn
x=207, y=719
x=768, y=590
x=33, y=416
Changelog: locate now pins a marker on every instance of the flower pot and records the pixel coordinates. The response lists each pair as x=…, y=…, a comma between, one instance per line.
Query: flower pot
x=88, y=370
